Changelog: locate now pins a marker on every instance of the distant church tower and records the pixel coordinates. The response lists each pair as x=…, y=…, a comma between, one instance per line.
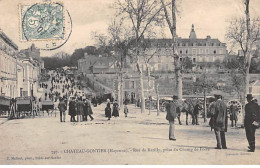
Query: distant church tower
x=192, y=33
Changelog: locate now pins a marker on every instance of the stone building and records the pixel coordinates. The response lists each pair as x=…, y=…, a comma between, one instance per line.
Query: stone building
x=92, y=64
x=19, y=72
x=8, y=66
x=34, y=53
x=131, y=86
x=200, y=51
x=30, y=72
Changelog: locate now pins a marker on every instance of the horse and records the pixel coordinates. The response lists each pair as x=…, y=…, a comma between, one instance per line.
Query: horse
x=187, y=106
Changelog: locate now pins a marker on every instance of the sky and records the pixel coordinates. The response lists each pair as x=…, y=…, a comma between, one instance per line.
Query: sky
x=210, y=17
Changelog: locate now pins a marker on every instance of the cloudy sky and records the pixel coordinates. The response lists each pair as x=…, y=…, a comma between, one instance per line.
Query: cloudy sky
x=210, y=17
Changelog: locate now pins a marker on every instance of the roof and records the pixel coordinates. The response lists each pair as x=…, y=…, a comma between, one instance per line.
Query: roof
x=183, y=42
x=8, y=40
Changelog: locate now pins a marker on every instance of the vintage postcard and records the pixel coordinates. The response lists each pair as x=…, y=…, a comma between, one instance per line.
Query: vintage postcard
x=129, y=82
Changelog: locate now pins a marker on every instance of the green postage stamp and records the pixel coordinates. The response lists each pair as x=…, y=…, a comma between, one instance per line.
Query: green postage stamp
x=42, y=21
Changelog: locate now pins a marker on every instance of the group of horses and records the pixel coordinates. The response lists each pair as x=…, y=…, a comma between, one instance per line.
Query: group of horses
x=188, y=107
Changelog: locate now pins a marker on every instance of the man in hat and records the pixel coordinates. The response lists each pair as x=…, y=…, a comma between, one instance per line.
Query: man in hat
x=62, y=107
x=251, y=110
x=218, y=111
x=172, y=108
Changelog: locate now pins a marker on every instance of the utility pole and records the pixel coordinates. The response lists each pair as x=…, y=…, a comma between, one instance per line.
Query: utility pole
x=158, y=101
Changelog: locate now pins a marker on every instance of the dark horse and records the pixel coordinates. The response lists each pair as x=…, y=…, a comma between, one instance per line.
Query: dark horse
x=188, y=106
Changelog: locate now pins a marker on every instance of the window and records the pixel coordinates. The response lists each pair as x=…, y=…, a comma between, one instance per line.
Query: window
x=187, y=51
x=180, y=51
x=194, y=60
x=159, y=59
x=180, y=59
x=194, y=51
x=132, y=84
x=214, y=51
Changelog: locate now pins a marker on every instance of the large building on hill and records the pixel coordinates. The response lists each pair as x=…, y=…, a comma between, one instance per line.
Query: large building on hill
x=199, y=50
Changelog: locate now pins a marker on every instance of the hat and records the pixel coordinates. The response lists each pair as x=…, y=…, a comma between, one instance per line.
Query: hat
x=175, y=97
x=249, y=96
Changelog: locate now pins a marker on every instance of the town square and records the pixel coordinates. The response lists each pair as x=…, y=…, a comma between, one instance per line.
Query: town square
x=129, y=82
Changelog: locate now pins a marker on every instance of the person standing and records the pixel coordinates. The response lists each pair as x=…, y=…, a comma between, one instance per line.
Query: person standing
x=233, y=114
x=115, y=112
x=72, y=110
x=125, y=110
x=62, y=107
x=251, y=110
x=108, y=111
x=196, y=110
x=79, y=109
x=89, y=110
x=219, y=112
x=172, y=109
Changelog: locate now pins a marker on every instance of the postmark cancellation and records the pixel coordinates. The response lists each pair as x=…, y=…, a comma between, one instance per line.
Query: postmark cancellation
x=42, y=21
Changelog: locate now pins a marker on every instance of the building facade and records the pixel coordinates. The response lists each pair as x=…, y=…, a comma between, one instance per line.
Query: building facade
x=8, y=66
x=91, y=64
x=19, y=71
x=131, y=86
x=200, y=51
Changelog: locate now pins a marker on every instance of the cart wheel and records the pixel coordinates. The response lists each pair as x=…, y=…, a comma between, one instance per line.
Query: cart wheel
x=163, y=107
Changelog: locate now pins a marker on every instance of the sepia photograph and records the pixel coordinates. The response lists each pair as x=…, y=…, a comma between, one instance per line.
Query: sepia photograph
x=129, y=82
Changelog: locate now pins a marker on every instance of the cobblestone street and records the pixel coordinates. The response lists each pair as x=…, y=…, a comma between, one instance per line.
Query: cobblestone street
x=137, y=139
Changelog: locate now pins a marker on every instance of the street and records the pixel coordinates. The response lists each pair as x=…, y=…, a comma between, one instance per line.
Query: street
x=136, y=139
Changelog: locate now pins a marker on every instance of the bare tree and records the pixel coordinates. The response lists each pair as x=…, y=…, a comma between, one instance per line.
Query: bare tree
x=171, y=21
x=142, y=15
x=118, y=42
x=244, y=33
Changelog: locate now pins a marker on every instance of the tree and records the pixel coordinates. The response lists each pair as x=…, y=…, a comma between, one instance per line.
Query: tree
x=237, y=82
x=244, y=32
x=186, y=64
x=116, y=46
x=204, y=85
x=171, y=21
x=233, y=62
x=142, y=15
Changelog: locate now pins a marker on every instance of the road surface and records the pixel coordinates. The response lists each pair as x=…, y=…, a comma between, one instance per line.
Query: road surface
x=137, y=139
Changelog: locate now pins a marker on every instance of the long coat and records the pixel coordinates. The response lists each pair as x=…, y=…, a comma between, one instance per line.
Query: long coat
x=62, y=106
x=173, y=109
x=233, y=112
x=219, y=111
x=115, y=112
x=87, y=108
x=79, y=108
x=108, y=112
x=251, y=110
x=72, y=108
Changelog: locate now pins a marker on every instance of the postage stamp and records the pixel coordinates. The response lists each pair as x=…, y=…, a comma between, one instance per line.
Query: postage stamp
x=42, y=21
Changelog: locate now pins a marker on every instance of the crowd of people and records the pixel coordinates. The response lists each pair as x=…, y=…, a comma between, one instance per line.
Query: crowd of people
x=219, y=119
x=79, y=108
x=76, y=107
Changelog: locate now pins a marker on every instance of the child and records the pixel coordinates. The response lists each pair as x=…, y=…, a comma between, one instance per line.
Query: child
x=108, y=111
x=125, y=110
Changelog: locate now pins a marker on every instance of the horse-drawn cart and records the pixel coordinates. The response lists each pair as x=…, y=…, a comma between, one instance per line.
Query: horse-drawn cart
x=48, y=106
x=23, y=106
x=7, y=107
